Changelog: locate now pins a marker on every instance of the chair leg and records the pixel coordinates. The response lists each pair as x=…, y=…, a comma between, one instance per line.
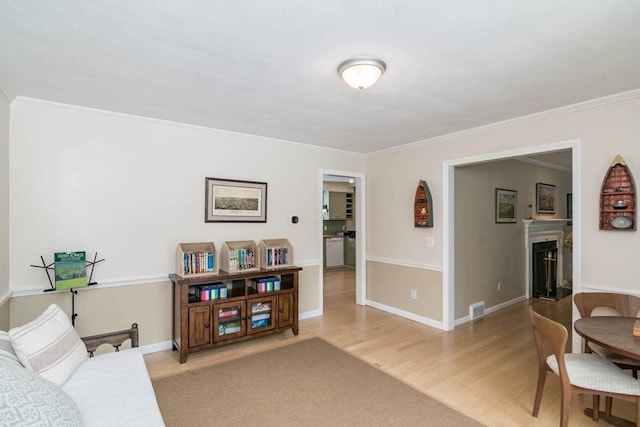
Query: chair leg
x=564, y=408
x=542, y=376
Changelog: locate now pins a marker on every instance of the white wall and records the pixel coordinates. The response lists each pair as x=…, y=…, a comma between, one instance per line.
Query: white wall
x=133, y=188
x=605, y=128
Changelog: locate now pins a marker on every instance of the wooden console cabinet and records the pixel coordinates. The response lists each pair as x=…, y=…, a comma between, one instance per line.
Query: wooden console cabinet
x=246, y=305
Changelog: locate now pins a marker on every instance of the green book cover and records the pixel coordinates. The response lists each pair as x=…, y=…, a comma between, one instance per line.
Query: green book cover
x=70, y=269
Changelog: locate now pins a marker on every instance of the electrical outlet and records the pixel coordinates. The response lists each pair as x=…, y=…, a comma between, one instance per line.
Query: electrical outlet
x=325, y=228
x=430, y=242
x=499, y=285
x=414, y=294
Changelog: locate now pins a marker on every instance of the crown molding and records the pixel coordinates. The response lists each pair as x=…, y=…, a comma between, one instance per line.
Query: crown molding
x=619, y=97
x=77, y=109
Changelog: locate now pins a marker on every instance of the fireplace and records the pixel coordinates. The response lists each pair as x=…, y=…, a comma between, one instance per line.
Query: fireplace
x=543, y=258
x=544, y=269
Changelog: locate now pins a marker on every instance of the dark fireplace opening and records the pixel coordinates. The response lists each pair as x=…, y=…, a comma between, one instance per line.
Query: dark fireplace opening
x=545, y=270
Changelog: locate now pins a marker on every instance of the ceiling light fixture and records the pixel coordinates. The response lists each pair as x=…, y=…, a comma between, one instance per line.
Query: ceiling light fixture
x=360, y=73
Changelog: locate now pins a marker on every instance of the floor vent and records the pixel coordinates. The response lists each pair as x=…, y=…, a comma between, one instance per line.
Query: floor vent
x=476, y=310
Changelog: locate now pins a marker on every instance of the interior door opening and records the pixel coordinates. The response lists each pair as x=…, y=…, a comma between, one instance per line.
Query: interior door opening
x=342, y=225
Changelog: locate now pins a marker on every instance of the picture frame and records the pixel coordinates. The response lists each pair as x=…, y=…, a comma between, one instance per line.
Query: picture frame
x=230, y=200
x=506, y=206
x=545, y=198
x=570, y=208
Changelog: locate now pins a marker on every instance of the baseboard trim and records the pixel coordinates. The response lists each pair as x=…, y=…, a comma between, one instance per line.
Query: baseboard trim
x=154, y=348
x=309, y=314
x=500, y=306
x=407, y=315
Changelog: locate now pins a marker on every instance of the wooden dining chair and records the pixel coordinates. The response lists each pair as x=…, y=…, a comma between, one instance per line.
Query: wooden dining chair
x=609, y=304
x=580, y=373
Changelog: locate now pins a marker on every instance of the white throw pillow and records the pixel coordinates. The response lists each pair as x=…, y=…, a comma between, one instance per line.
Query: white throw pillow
x=27, y=399
x=6, y=348
x=49, y=345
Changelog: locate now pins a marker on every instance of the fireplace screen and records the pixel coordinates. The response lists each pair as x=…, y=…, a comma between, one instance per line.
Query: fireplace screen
x=545, y=270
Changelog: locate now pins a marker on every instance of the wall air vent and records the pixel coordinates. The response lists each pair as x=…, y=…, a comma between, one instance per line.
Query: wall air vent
x=476, y=310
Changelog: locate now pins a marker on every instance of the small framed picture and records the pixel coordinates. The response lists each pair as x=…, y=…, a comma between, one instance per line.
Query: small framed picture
x=506, y=203
x=228, y=200
x=545, y=198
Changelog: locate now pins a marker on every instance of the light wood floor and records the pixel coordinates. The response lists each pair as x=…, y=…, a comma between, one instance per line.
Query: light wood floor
x=485, y=368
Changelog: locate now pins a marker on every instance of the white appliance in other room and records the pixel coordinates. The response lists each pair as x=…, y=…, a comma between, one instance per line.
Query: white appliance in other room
x=334, y=251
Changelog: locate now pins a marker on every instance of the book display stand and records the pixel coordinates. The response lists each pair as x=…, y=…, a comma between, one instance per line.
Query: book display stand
x=275, y=253
x=74, y=292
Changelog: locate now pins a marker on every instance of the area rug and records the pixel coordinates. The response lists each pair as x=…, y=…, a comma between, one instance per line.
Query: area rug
x=308, y=383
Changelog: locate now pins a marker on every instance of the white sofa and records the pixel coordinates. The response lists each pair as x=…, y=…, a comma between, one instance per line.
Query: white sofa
x=114, y=389
x=110, y=389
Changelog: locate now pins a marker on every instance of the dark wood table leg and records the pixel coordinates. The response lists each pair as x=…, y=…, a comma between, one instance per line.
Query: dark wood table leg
x=611, y=419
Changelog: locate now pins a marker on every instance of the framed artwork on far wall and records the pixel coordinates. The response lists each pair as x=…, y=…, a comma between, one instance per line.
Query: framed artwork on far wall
x=506, y=203
x=229, y=200
x=545, y=198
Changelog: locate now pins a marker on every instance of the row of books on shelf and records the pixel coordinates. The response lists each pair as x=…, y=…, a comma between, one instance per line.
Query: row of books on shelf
x=198, y=262
x=242, y=259
x=277, y=256
x=235, y=256
x=266, y=284
x=211, y=292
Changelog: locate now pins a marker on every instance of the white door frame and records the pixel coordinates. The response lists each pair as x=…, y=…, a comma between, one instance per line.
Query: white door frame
x=448, y=190
x=361, y=240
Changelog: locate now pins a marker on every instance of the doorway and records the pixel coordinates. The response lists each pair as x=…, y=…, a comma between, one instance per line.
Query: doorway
x=342, y=225
x=449, y=212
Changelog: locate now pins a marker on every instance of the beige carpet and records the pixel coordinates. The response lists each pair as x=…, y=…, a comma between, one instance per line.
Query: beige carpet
x=309, y=383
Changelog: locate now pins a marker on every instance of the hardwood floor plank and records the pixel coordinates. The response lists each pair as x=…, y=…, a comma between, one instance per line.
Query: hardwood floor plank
x=485, y=368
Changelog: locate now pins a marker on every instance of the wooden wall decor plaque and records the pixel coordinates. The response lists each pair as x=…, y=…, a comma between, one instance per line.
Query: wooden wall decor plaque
x=618, y=198
x=423, y=206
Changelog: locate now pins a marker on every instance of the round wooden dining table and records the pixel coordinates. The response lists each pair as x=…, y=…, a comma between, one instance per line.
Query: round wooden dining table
x=613, y=333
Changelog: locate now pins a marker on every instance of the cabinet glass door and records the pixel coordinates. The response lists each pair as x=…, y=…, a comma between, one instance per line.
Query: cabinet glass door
x=261, y=314
x=229, y=320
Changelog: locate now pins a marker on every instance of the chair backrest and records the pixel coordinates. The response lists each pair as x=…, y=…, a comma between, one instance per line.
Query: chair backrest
x=624, y=305
x=553, y=333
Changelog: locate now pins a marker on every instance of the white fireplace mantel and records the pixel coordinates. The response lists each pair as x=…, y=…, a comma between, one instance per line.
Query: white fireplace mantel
x=542, y=230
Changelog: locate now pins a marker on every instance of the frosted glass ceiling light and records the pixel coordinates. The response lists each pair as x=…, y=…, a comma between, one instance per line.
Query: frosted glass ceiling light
x=360, y=73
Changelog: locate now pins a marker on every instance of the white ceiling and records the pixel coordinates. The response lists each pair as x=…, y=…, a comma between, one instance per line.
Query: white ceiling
x=269, y=67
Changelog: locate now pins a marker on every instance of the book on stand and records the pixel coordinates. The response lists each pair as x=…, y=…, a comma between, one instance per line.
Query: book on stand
x=70, y=270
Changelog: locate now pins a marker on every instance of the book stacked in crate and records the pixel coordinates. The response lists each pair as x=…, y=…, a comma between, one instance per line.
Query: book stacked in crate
x=194, y=259
x=240, y=256
x=212, y=292
x=260, y=314
x=275, y=253
x=229, y=321
x=265, y=284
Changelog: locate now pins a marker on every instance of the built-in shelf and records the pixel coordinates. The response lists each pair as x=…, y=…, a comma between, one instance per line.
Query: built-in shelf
x=618, y=198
